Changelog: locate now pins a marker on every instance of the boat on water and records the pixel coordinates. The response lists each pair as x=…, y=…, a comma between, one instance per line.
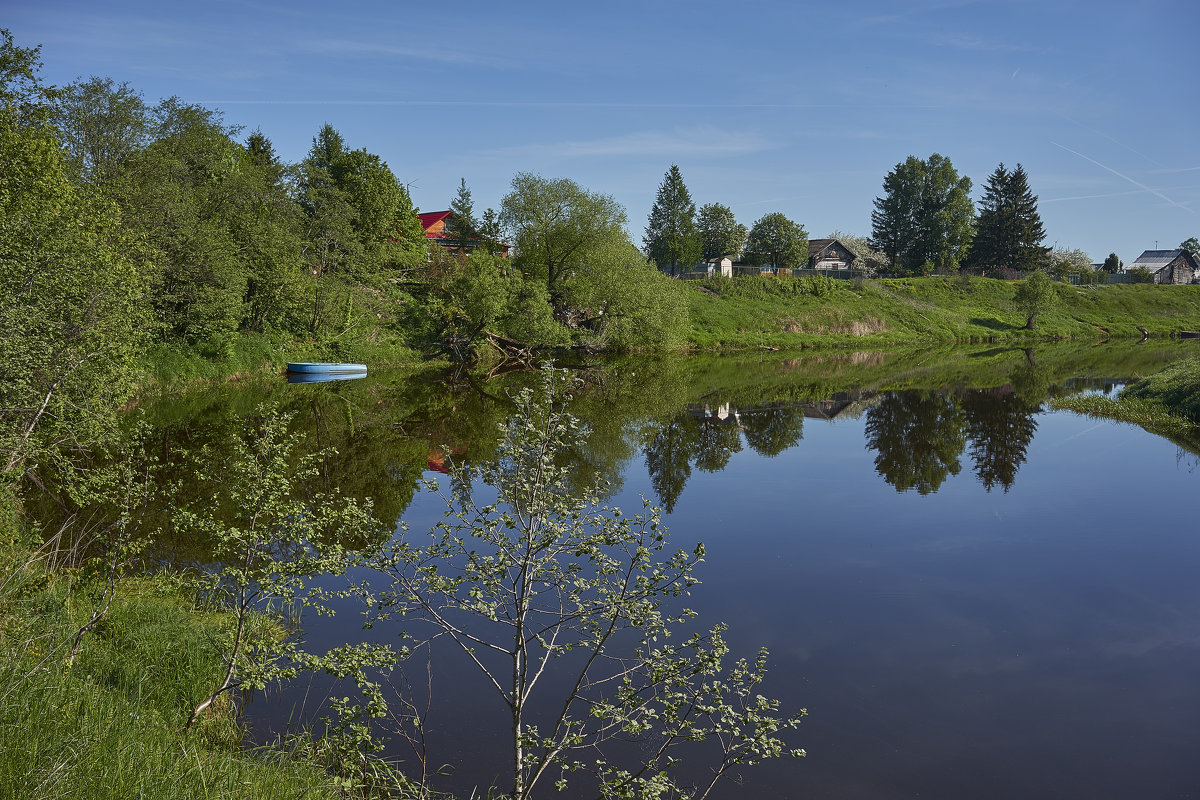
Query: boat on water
x=322, y=377
x=324, y=367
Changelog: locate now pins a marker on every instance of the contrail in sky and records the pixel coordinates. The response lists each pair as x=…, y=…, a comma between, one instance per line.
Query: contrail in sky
x=1142, y=186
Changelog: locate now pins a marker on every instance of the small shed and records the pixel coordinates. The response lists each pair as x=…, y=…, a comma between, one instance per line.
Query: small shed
x=718, y=266
x=1168, y=266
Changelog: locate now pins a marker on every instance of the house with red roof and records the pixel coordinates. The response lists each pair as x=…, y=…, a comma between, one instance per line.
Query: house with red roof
x=434, y=224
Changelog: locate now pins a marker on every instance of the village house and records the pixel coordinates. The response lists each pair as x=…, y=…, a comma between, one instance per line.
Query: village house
x=1168, y=266
x=434, y=224
x=829, y=254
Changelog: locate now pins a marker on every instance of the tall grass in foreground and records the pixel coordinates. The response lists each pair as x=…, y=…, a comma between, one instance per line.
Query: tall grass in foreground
x=108, y=724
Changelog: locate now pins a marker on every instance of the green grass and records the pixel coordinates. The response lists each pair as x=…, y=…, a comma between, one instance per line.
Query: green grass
x=1166, y=402
x=797, y=313
x=109, y=724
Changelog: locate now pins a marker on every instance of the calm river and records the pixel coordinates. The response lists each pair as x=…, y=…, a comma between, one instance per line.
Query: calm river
x=973, y=596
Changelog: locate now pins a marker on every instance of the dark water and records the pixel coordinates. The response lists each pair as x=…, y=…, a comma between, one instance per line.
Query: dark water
x=972, y=595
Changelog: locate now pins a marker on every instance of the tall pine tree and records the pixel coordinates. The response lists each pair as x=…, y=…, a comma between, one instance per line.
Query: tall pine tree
x=461, y=225
x=1009, y=232
x=672, y=241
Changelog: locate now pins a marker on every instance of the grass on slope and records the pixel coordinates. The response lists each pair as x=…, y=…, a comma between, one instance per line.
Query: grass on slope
x=804, y=312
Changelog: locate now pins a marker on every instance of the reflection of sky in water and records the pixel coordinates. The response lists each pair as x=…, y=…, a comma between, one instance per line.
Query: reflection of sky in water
x=1039, y=642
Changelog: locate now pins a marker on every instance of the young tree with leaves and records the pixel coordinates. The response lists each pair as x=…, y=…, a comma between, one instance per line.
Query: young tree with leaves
x=1034, y=296
x=1009, y=231
x=561, y=604
x=671, y=240
x=720, y=233
x=1113, y=263
x=925, y=218
x=777, y=241
x=1192, y=245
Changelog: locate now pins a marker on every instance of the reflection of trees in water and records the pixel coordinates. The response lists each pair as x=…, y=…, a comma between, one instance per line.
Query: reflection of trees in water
x=918, y=437
x=707, y=438
x=770, y=430
x=1000, y=427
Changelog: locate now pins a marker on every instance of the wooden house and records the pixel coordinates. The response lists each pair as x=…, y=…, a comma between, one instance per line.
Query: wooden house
x=434, y=224
x=829, y=254
x=1168, y=266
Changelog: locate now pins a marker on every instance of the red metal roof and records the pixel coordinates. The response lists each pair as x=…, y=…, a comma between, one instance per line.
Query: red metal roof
x=429, y=219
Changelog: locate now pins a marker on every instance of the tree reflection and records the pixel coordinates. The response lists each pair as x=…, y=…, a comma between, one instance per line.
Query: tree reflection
x=1001, y=426
x=770, y=430
x=918, y=437
x=668, y=459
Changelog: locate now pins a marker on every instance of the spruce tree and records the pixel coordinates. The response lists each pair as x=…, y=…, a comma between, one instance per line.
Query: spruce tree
x=1009, y=232
x=461, y=226
x=671, y=240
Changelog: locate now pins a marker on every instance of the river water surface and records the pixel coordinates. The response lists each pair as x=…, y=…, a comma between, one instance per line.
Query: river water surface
x=974, y=596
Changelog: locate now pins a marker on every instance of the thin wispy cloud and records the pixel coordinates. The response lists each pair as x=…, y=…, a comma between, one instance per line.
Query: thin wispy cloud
x=690, y=142
x=1124, y=177
x=353, y=47
x=1168, y=171
x=972, y=43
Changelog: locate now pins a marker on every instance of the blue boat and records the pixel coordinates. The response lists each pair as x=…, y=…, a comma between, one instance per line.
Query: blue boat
x=322, y=377
x=324, y=367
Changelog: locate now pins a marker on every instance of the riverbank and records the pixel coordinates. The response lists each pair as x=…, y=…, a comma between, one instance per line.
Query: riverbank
x=791, y=313
x=105, y=722
x=1167, y=402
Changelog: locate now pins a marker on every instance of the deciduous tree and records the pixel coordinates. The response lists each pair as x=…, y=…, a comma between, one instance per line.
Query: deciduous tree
x=1113, y=263
x=720, y=233
x=672, y=241
x=1035, y=296
x=776, y=240
x=925, y=218
x=558, y=228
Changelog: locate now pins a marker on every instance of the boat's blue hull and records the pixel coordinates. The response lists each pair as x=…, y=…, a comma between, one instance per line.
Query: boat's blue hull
x=322, y=367
x=322, y=377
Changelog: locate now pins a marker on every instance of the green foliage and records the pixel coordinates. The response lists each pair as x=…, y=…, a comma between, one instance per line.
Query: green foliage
x=1192, y=245
x=461, y=225
x=558, y=228
x=672, y=241
x=1035, y=295
x=720, y=233
x=266, y=542
x=70, y=296
x=1113, y=263
x=101, y=124
x=1140, y=275
x=545, y=580
x=925, y=219
x=776, y=240
x=1009, y=231
x=629, y=305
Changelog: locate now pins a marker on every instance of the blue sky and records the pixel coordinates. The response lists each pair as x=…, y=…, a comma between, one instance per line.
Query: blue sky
x=792, y=107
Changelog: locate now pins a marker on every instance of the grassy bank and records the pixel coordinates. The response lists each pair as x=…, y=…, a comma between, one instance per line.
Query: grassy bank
x=1167, y=402
x=169, y=367
x=107, y=723
x=802, y=313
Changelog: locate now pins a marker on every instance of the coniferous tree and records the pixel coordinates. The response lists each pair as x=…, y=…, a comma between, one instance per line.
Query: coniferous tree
x=671, y=240
x=720, y=232
x=1009, y=232
x=461, y=226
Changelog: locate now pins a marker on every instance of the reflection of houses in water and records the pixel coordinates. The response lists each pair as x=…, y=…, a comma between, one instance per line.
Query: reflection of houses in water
x=724, y=414
x=843, y=405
